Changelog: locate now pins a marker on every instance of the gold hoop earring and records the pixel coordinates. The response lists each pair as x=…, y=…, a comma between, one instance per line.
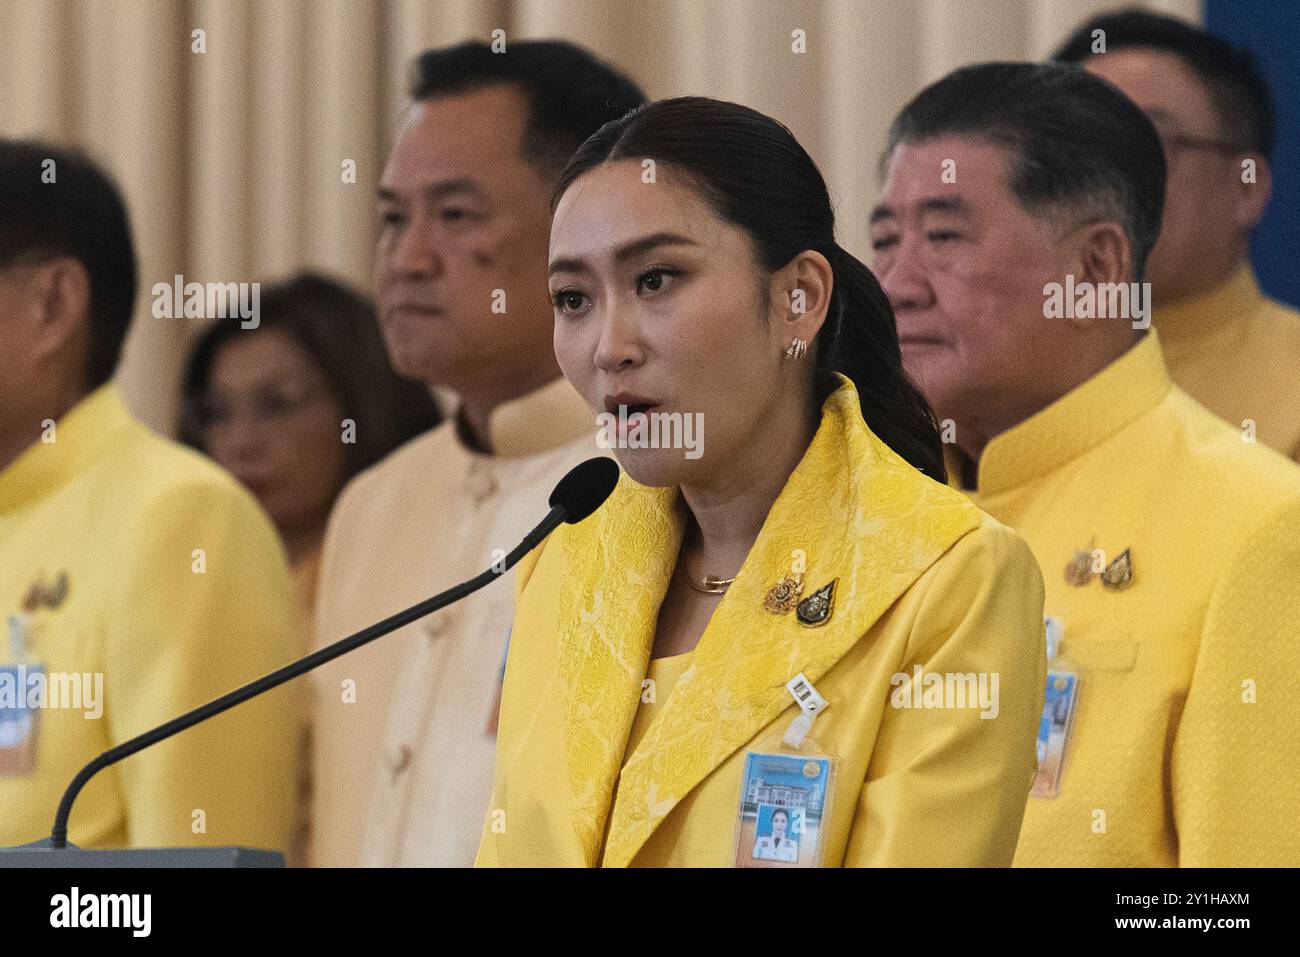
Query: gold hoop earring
x=796, y=350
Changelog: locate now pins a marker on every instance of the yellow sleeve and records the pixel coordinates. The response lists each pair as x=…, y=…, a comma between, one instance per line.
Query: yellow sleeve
x=524, y=569
x=945, y=786
x=487, y=847
x=1236, y=754
x=206, y=604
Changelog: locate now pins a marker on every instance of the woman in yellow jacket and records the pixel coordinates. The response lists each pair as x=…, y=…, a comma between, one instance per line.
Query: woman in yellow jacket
x=790, y=649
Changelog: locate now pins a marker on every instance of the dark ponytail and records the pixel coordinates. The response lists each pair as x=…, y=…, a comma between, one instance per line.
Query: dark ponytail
x=863, y=345
x=755, y=175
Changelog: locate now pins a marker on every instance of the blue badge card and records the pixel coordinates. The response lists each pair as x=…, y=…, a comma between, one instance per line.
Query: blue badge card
x=1053, y=729
x=18, y=720
x=784, y=799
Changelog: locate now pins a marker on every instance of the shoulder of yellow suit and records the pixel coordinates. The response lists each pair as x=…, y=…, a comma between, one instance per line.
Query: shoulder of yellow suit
x=161, y=468
x=842, y=408
x=1252, y=473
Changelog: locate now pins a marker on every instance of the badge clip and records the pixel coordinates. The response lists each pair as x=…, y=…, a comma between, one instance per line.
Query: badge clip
x=18, y=630
x=810, y=705
x=1054, y=629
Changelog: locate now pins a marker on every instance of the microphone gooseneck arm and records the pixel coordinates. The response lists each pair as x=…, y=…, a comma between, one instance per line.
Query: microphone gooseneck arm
x=59, y=834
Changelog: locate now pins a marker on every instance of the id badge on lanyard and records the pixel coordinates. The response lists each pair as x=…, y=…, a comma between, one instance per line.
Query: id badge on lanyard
x=19, y=716
x=1054, y=725
x=785, y=793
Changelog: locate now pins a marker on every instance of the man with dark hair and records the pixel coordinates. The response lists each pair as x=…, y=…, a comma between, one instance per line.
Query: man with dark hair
x=1019, y=204
x=1234, y=349
x=138, y=580
x=570, y=94
x=404, y=730
x=80, y=215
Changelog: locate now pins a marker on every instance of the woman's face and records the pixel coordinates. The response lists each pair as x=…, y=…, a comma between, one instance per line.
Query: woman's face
x=660, y=302
x=778, y=826
x=271, y=420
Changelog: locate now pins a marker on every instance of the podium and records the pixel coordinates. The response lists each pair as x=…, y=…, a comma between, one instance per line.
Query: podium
x=42, y=854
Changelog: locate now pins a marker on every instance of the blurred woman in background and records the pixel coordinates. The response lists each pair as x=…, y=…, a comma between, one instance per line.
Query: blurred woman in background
x=293, y=409
x=298, y=405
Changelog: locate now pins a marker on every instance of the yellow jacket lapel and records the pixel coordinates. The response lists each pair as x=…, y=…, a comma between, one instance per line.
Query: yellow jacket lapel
x=865, y=520
x=619, y=563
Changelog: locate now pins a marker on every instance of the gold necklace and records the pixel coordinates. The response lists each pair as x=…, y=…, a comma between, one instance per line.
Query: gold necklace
x=711, y=586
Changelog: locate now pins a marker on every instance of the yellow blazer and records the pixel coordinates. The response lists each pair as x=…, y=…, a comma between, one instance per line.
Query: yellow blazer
x=120, y=514
x=1182, y=749
x=923, y=579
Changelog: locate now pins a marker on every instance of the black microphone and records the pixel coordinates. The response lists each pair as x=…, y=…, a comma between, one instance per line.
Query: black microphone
x=582, y=491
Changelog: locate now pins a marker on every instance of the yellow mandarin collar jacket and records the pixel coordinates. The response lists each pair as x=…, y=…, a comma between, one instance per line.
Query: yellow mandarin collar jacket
x=1213, y=314
x=1169, y=760
x=118, y=513
x=93, y=425
x=1083, y=418
x=864, y=518
x=1237, y=352
x=429, y=515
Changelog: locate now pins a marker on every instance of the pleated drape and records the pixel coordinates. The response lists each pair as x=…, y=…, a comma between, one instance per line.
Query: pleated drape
x=232, y=159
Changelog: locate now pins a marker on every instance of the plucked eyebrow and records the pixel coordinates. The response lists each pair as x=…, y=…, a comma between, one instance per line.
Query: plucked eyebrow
x=628, y=251
x=436, y=192
x=932, y=204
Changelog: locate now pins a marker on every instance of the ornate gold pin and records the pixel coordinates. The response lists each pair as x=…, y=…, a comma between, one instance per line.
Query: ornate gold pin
x=51, y=595
x=1119, y=573
x=784, y=595
x=1078, y=570
x=816, y=608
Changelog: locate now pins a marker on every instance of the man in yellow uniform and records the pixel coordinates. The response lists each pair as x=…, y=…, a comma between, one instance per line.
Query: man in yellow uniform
x=1170, y=548
x=137, y=580
x=1232, y=348
x=404, y=730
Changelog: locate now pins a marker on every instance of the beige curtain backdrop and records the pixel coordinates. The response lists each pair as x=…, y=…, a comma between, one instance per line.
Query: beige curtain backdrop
x=232, y=158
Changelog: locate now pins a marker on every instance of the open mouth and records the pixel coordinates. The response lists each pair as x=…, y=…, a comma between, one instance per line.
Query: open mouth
x=411, y=310
x=634, y=404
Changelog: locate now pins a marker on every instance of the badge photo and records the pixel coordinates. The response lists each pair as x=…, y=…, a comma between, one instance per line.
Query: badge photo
x=19, y=720
x=784, y=800
x=1053, y=731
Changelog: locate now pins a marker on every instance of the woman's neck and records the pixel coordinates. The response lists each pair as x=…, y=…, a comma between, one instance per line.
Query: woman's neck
x=725, y=514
